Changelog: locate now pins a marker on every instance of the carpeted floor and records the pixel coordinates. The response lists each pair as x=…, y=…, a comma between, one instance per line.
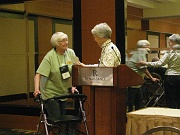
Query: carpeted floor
x=17, y=132
x=29, y=132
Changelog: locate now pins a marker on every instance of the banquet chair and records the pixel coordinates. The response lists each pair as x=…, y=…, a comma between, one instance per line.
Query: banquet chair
x=65, y=122
x=162, y=128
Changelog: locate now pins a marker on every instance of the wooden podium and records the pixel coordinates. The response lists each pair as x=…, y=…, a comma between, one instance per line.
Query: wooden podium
x=106, y=111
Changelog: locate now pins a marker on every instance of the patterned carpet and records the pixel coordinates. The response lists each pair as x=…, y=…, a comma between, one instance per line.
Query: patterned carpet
x=17, y=132
x=29, y=132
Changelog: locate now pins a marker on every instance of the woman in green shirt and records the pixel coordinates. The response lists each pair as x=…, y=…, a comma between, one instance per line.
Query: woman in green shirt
x=53, y=77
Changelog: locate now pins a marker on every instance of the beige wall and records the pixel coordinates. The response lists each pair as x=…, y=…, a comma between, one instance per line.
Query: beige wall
x=17, y=48
x=13, y=56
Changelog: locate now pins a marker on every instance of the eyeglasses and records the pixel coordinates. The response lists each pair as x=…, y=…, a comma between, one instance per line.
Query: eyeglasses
x=64, y=40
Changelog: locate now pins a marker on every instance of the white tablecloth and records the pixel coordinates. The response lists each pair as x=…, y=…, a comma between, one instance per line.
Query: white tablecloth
x=141, y=120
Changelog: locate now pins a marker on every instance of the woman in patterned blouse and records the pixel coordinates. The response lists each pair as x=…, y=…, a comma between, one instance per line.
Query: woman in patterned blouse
x=110, y=55
x=172, y=74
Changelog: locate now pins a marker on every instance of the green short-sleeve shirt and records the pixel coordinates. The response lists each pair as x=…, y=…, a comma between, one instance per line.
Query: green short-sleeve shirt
x=52, y=84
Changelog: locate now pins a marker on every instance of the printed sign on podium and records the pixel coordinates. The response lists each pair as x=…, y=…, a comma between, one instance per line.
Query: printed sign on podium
x=95, y=76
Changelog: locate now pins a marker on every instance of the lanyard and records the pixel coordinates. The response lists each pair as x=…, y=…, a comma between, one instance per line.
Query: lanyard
x=58, y=59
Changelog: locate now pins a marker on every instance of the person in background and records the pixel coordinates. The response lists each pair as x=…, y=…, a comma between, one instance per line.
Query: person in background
x=110, y=55
x=155, y=59
x=134, y=93
x=172, y=74
x=53, y=76
x=158, y=70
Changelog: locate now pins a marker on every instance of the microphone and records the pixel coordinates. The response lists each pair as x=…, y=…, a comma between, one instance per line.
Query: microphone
x=116, y=54
x=98, y=62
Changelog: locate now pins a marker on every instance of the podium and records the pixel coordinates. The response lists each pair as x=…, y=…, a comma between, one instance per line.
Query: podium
x=106, y=110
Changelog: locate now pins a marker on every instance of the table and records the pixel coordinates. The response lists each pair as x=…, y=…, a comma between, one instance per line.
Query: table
x=141, y=120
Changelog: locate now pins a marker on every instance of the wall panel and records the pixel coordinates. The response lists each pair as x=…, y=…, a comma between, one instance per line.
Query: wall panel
x=31, y=60
x=67, y=29
x=13, y=56
x=133, y=36
x=17, y=54
x=59, y=9
x=92, y=14
x=44, y=36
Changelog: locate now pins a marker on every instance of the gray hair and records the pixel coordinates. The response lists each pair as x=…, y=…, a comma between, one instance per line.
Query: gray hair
x=143, y=43
x=56, y=37
x=102, y=30
x=175, y=38
x=156, y=58
x=177, y=47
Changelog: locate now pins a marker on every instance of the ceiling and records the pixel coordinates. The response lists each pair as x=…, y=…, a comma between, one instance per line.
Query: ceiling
x=148, y=4
x=137, y=3
x=11, y=1
x=160, y=1
x=165, y=10
x=21, y=1
x=151, y=8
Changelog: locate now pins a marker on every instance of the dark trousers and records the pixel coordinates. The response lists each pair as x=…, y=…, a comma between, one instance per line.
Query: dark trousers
x=172, y=91
x=134, y=98
x=55, y=108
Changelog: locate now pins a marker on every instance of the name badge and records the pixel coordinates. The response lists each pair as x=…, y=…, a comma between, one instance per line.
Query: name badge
x=65, y=72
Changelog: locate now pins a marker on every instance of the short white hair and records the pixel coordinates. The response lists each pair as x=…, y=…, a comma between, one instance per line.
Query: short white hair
x=102, y=30
x=56, y=37
x=143, y=43
x=177, y=47
x=175, y=38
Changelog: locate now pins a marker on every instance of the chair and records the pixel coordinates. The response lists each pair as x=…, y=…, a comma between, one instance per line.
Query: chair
x=162, y=128
x=154, y=92
x=66, y=121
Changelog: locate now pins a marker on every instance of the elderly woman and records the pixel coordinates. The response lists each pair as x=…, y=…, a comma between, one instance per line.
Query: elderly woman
x=110, y=55
x=134, y=93
x=53, y=77
x=172, y=74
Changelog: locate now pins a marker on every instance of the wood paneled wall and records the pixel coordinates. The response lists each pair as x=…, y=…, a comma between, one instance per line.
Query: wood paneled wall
x=52, y=8
x=56, y=8
x=133, y=36
x=92, y=14
x=134, y=31
x=137, y=27
x=44, y=12
x=164, y=27
x=44, y=35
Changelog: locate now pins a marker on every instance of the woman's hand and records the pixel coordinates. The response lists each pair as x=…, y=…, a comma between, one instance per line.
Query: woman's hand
x=81, y=64
x=73, y=90
x=140, y=63
x=36, y=92
x=155, y=79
